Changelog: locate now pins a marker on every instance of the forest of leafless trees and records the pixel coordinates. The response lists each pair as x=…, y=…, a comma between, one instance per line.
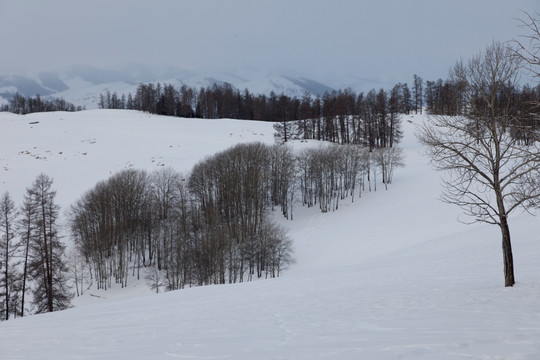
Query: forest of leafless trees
x=213, y=225
x=22, y=105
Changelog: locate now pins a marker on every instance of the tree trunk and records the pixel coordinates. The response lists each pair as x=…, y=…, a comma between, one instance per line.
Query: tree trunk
x=507, y=254
x=508, y=260
x=25, y=270
x=6, y=275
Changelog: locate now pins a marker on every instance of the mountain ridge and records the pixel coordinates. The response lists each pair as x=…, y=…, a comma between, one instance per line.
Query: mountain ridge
x=83, y=84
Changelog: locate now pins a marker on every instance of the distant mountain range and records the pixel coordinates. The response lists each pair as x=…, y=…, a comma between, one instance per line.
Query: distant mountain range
x=82, y=84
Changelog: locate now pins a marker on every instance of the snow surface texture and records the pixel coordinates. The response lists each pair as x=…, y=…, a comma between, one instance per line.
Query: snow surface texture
x=393, y=275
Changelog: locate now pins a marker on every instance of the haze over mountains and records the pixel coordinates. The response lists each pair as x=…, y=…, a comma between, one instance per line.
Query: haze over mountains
x=82, y=84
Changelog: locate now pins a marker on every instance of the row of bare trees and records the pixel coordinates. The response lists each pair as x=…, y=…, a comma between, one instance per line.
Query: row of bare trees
x=212, y=227
x=21, y=105
x=343, y=116
x=452, y=97
x=32, y=258
x=328, y=175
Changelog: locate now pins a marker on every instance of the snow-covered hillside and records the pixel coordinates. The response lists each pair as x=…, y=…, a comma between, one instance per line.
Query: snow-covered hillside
x=393, y=275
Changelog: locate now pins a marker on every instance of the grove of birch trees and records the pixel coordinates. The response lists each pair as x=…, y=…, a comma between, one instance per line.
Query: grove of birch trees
x=213, y=226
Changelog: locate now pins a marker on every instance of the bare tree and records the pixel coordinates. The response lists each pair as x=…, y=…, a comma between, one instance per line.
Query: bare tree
x=275, y=249
x=154, y=279
x=387, y=160
x=487, y=167
x=77, y=269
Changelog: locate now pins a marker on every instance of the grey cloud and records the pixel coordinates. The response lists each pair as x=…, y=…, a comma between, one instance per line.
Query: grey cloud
x=387, y=40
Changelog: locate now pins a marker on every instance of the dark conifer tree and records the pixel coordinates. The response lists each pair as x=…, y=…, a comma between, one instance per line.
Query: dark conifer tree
x=9, y=274
x=47, y=267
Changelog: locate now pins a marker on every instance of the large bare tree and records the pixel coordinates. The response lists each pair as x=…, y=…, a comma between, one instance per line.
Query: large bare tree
x=487, y=166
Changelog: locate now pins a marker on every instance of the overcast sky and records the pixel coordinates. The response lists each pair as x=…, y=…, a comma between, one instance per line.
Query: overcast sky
x=386, y=40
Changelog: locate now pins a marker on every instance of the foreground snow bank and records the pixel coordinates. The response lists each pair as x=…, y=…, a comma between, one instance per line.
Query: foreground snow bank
x=437, y=300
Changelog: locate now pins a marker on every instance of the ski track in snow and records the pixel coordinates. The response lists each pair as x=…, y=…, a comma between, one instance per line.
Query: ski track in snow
x=393, y=275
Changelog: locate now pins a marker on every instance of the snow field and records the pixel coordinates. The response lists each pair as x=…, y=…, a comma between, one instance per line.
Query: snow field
x=393, y=275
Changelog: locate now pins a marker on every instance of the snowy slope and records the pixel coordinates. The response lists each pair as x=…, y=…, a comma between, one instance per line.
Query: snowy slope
x=82, y=148
x=393, y=275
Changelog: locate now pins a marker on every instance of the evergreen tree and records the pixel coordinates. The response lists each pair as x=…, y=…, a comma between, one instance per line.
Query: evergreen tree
x=46, y=265
x=8, y=264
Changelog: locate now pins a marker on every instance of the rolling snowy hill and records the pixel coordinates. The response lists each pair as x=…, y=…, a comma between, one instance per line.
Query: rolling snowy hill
x=393, y=275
